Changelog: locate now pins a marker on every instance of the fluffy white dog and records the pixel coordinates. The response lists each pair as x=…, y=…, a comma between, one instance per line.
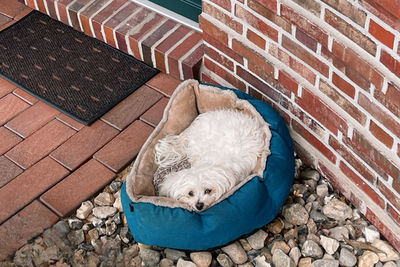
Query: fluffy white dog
x=222, y=147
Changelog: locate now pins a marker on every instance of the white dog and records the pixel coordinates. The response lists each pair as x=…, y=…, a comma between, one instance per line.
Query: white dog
x=222, y=147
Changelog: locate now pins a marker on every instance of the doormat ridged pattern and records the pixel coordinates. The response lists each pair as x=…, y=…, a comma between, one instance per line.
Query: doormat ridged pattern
x=78, y=74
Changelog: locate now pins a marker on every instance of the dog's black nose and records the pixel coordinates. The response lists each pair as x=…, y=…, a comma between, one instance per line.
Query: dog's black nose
x=199, y=205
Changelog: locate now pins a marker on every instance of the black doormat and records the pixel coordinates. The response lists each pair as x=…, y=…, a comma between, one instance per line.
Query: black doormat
x=78, y=74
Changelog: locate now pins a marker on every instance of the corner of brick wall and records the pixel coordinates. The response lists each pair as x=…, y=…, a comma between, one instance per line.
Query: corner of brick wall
x=331, y=68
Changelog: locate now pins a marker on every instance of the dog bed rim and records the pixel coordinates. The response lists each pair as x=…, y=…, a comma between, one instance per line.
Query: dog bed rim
x=171, y=203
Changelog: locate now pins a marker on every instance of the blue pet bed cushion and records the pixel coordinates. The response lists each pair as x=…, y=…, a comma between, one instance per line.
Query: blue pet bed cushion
x=161, y=221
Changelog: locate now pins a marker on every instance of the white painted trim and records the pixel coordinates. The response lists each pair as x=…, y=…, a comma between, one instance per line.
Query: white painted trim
x=169, y=14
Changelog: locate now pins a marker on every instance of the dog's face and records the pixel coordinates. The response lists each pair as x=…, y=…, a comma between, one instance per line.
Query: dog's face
x=198, y=187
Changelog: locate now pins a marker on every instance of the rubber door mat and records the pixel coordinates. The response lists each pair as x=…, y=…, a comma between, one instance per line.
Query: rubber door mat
x=80, y=75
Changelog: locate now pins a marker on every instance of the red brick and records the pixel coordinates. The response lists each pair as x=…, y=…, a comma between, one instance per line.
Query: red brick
x=307, y=57
x=207, y=79
x=220, y=58
x=8, y=140
x=270, y=4
x=255, y=39
x=352, y=160
x=221, y=16
x=223, y=48
x=154, y=115
x=73, y=10
x=4, y=19
x=346, y=8
x=175, y=55
x=286, y=80
x=393, y=7
x=386, y=37
x=391, y=100
x=25, y=96
x=379, y=133
x=305, y=25
x=351, y=32
x=41, y=6
x=285, y=58
x=362, y=185
x=84, y=144
x=40, y=144
x=74, y=124
x=375, y=8
x=131, y=107
x=104, y=15
x=265, y=10
x=307, y=121
x=61, y=6
x=52, y=9
x=310, y=138
x=147, y=44
x=227, y=76
x=25, y=11
x=32, y=119
x=379, y=162
x=32, y=183
x=311, y=6
x=164, y=84
x=319, y=110
x=389, y=194
x=394, y=214
x=192, y=63
x=166, y=44
x=10, y=106
x=7, y=22
x=145, y=28
x=212, y=30
x=115, y=20
x=11, y=8
x=8, y=170
x=25, y=225
x=226, y=4
x=89, y=11
x=308, y=41
x=343, y=85
x=343, y=103
x=379, y=114
x=255, y=22
x=257, y=63
x=392, y=64
x=124, y=147
x=6, y=87
x=81, y=184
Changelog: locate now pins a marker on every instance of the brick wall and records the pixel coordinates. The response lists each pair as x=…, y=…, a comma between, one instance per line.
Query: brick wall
x=331, y=68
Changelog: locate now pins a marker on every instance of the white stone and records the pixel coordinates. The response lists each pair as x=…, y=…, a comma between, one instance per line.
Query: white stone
x=104, y=212
x=329, y=244
x=257, y=239
x=389, y=253
x=104, y=199
x=84, y=210
x=371, y=233
x=347, y=258
x=295, y=254
x=337, y=210
x=201, y=259
x=260, y=261
x=322, y=190
x=183, y=263
x=118, y=204
x=236, y=252
x=367, y=259
x=280, y=259
x=311, y=249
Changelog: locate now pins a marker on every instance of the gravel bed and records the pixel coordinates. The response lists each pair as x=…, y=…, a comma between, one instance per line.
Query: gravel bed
x=316, y=227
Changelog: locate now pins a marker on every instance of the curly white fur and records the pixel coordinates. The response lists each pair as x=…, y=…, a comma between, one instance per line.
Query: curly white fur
x=222, y=147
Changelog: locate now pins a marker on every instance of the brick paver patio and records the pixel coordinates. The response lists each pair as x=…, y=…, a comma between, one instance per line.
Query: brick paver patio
x=50, y=163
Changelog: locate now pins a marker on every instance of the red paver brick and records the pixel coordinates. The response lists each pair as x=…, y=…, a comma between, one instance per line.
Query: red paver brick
x=29, y=185
x=132, y=107
x=32, y=119
x=164, y=83
x=81, y=184
x=7, y=24
x=154, y=115
x=10, y=106
x=25, y=96
x=11, y=8
x=4, y=19
x=23, y=13
x=180, y=51
x=8, y=170
x=74, y=124
x=40, y=144
x=104, y=15
x=124, y=148
x=84, y=144
x=165, y=45
x=8, y=140
x=25, y=225
x=5, y=87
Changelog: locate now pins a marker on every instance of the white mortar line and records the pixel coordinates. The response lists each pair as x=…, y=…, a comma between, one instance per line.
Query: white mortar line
x=144, y=37
x=80, y=11
x=166, y=35
x=180, y=61
x=173, y=47
x=56, y=8
x=110, y=17
x=67, y=9
x=97, y=12
x=46, y=7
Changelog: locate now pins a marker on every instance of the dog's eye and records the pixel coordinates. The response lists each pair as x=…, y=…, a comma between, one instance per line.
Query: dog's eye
x=207, y=191
x=190, y=193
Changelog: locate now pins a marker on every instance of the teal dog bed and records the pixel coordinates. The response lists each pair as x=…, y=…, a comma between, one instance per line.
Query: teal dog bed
x=160, y=221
